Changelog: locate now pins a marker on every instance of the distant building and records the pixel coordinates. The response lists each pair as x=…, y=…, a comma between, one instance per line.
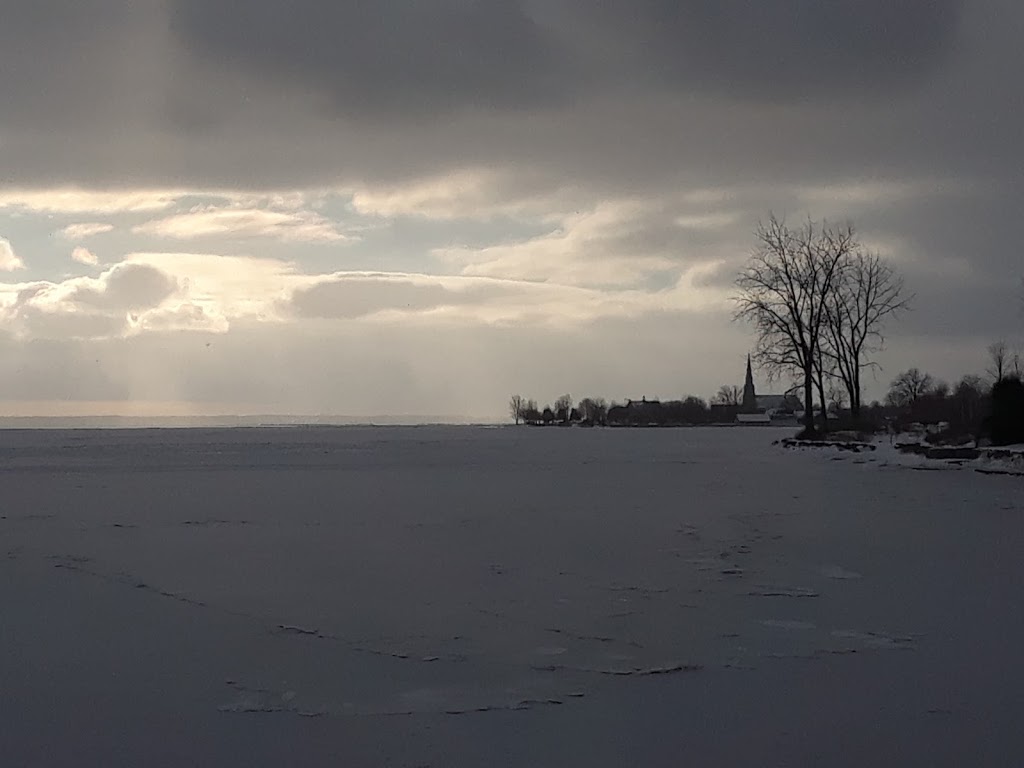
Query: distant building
x=636, y=412
x=749, y=404
x=778, y=403
x=760, y=409
x=723, y=413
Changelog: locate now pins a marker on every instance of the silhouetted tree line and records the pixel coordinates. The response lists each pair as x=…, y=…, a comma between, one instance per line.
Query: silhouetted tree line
x=976, y=407
x=597, y=412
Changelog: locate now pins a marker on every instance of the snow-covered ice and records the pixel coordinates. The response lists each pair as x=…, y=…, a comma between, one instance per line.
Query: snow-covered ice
x=458, y=596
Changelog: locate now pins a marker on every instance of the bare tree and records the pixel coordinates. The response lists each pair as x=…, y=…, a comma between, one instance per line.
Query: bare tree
x=969, y=395
x=728, y=394
x=869, y=293
x=531, y=414
x=836, y=398
x=909, y=387
x=594, y=409
x=784, y=292
x=516, y=408
x=563, y=408
x=999, y=357
x=824, y=373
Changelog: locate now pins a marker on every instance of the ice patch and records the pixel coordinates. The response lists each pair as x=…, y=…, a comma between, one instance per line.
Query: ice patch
x=286, y=629
x=669, y=669
x=552, y=651
x=789, y=625
x=770, y=591
x=875, y=639
x=839, y=573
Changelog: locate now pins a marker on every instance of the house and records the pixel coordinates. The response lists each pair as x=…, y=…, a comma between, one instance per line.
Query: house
x=636, y=413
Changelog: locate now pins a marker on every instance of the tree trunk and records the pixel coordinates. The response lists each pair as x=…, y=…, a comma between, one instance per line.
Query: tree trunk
x=855, y=395
x=851, y=392
x=824, y=405
x=809, y=429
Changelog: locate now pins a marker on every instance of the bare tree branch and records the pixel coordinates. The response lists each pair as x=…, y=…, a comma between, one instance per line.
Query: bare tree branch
x=728, y=394
x=516, y=408
x=869, y=293
x=785, y=291
x=909, y=387
x=999, y=355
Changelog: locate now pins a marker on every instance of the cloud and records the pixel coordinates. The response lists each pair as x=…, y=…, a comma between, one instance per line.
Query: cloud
x=72, y=200
x=84, y=256
x=619, y=152
x=618, y=243
x=452, y=301
x=788, y=51
x=124, y=287
x=601, y=98
x=9, y=261
x=377, y=58
x=85, y=307
x=467, y=301
x=213, y=221
x=85, y=230
x=155, y=292
x=853, y=194
x=476, y=193
x=184, y=317
x=358, y=295
x=575, y=88
x=707, y=221
x=151, y=292
x=380, y=56
x=236, y=287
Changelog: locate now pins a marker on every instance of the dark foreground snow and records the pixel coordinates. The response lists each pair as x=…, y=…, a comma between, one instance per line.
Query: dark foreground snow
x=491, y=597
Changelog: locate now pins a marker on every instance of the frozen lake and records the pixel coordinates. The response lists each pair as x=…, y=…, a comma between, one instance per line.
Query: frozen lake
x=457, y=596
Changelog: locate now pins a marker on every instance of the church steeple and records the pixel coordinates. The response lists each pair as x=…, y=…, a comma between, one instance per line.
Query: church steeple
x=749, y=393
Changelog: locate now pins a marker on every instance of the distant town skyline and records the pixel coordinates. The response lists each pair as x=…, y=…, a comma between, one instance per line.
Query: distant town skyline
x=365, y=209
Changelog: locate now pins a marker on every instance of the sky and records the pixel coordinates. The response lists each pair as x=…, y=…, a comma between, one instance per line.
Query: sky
x=421, y=207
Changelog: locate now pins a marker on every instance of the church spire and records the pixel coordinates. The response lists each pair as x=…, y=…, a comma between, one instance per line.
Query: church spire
x=749, y=393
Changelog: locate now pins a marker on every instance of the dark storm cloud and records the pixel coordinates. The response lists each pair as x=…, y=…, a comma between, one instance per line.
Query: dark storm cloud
x=236, y=93
x=411, y=57
x=59, y=59
x=399, y=57
x=789, y=49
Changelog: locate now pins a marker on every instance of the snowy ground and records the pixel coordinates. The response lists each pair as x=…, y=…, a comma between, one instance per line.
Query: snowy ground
x=490, y=597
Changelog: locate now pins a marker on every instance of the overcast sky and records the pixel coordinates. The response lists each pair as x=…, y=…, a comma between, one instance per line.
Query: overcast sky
x=422, y=206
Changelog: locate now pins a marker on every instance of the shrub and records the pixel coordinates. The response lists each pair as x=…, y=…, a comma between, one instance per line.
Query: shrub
x=1006, y=419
